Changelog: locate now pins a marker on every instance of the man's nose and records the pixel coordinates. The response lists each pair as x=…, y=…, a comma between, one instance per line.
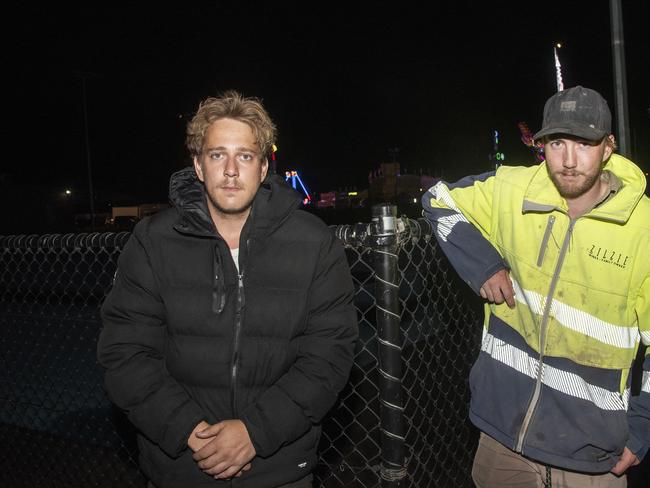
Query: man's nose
x=231, y=168
x=570, y=158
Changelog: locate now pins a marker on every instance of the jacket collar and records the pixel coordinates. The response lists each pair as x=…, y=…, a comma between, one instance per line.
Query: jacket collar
x=273, y=204
x=542, y=196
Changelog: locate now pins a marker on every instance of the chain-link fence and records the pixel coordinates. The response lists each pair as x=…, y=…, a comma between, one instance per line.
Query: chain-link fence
x=57, y=428
x=400, y=421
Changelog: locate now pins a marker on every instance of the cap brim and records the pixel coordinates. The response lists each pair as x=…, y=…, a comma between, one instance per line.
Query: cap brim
x=583, y=132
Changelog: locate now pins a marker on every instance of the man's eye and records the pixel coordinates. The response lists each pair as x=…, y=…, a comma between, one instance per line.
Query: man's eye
x=246, y=157
x=215, y=155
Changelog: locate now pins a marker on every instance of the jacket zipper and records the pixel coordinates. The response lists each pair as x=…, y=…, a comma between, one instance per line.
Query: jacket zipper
x=235, y=348
x=241, y=302
x=542, y=339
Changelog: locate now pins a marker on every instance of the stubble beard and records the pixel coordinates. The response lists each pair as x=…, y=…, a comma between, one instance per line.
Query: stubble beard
x=577, y=189
x=232, y=211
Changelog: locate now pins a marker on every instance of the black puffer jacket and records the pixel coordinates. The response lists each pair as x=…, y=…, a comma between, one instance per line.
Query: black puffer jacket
x=185, y=338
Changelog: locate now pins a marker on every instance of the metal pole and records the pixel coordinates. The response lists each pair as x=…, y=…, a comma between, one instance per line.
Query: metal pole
x=620, y=82
x=90, y=174
x=385, y=244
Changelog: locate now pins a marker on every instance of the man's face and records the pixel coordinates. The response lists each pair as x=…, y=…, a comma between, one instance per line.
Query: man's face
x=575, y=164
x=230, y=167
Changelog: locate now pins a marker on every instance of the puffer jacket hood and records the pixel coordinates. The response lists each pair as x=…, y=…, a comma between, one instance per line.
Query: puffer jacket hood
x=187, y=194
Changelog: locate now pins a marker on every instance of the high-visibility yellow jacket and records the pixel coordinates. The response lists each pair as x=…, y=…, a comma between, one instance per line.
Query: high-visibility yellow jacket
x=553, y=378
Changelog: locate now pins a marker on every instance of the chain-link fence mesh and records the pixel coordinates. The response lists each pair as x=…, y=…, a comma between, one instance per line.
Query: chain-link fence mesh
x=440, y=332
x=58, y=429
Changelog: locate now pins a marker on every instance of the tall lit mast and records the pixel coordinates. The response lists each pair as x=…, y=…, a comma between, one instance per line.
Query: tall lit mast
x=558, y=68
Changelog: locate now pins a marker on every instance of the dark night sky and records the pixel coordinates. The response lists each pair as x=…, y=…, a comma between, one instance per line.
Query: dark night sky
x=343, y=83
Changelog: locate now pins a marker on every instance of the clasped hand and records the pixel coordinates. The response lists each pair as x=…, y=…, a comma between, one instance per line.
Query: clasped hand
x=223, y=450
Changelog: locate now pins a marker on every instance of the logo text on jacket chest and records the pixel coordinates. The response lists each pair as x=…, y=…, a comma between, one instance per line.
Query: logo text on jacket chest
x=610, y=256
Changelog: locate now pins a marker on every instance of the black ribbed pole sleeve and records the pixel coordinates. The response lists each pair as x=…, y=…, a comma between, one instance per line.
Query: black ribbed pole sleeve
x=385, y=245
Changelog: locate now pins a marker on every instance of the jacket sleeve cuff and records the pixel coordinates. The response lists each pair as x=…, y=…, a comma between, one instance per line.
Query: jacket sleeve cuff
x=496, y=266
x=179, y=428
x=269, y=429
x=637, y=446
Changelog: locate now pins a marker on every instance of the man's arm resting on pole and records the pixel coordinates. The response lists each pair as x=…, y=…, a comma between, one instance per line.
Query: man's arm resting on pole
x=461, y=216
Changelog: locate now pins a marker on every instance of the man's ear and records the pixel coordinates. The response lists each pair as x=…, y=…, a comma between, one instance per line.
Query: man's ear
x=198, y=168
x=264, y=169
x=610, y=144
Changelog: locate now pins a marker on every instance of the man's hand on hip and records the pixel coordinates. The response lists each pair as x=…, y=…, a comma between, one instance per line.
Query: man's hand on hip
x=498, y=289
x=628, y=458
x=228, y=451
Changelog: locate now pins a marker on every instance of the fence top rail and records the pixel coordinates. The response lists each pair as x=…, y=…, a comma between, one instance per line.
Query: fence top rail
x=354, y=235
x=59, y=241
x=366, y=234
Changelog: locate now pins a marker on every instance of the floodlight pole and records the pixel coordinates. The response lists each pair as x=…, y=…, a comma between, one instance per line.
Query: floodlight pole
x=620, y=83
x=87, y=139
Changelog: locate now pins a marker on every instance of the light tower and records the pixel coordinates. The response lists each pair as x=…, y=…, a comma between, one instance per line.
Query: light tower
x=558, y=68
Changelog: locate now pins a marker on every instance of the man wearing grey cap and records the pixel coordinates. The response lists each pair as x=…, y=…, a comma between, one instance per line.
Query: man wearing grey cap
x=560, y=251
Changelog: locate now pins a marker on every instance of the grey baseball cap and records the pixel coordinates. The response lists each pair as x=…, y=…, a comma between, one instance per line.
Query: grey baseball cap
x=577, y=111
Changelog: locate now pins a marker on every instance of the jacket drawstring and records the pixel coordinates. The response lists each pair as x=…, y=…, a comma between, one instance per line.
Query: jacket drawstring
x=218, y=286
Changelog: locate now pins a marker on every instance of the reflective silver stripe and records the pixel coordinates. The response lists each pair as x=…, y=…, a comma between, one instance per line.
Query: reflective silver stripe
x=510, y=355
x=445, y=224
x=563, y=381
x=645, y=382
x=533, y=300
x=645, y=336
x=580, y=321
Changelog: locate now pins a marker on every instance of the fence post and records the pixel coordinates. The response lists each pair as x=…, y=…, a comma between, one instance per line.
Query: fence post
x=384, y=244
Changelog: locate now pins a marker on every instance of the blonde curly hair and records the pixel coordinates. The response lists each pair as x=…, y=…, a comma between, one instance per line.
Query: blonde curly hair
x=233, y=105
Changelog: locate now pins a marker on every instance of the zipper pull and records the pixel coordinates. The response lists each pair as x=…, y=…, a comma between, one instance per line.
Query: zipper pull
x=240, y=292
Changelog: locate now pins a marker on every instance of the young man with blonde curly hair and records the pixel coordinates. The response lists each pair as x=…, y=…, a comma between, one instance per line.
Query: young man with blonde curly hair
x=230, y=329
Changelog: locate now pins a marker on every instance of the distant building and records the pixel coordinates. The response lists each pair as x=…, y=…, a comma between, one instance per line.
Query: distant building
x=137, y=211
x=327, y=199
x=342, y=199
x=388, y=184
x=124, y=217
